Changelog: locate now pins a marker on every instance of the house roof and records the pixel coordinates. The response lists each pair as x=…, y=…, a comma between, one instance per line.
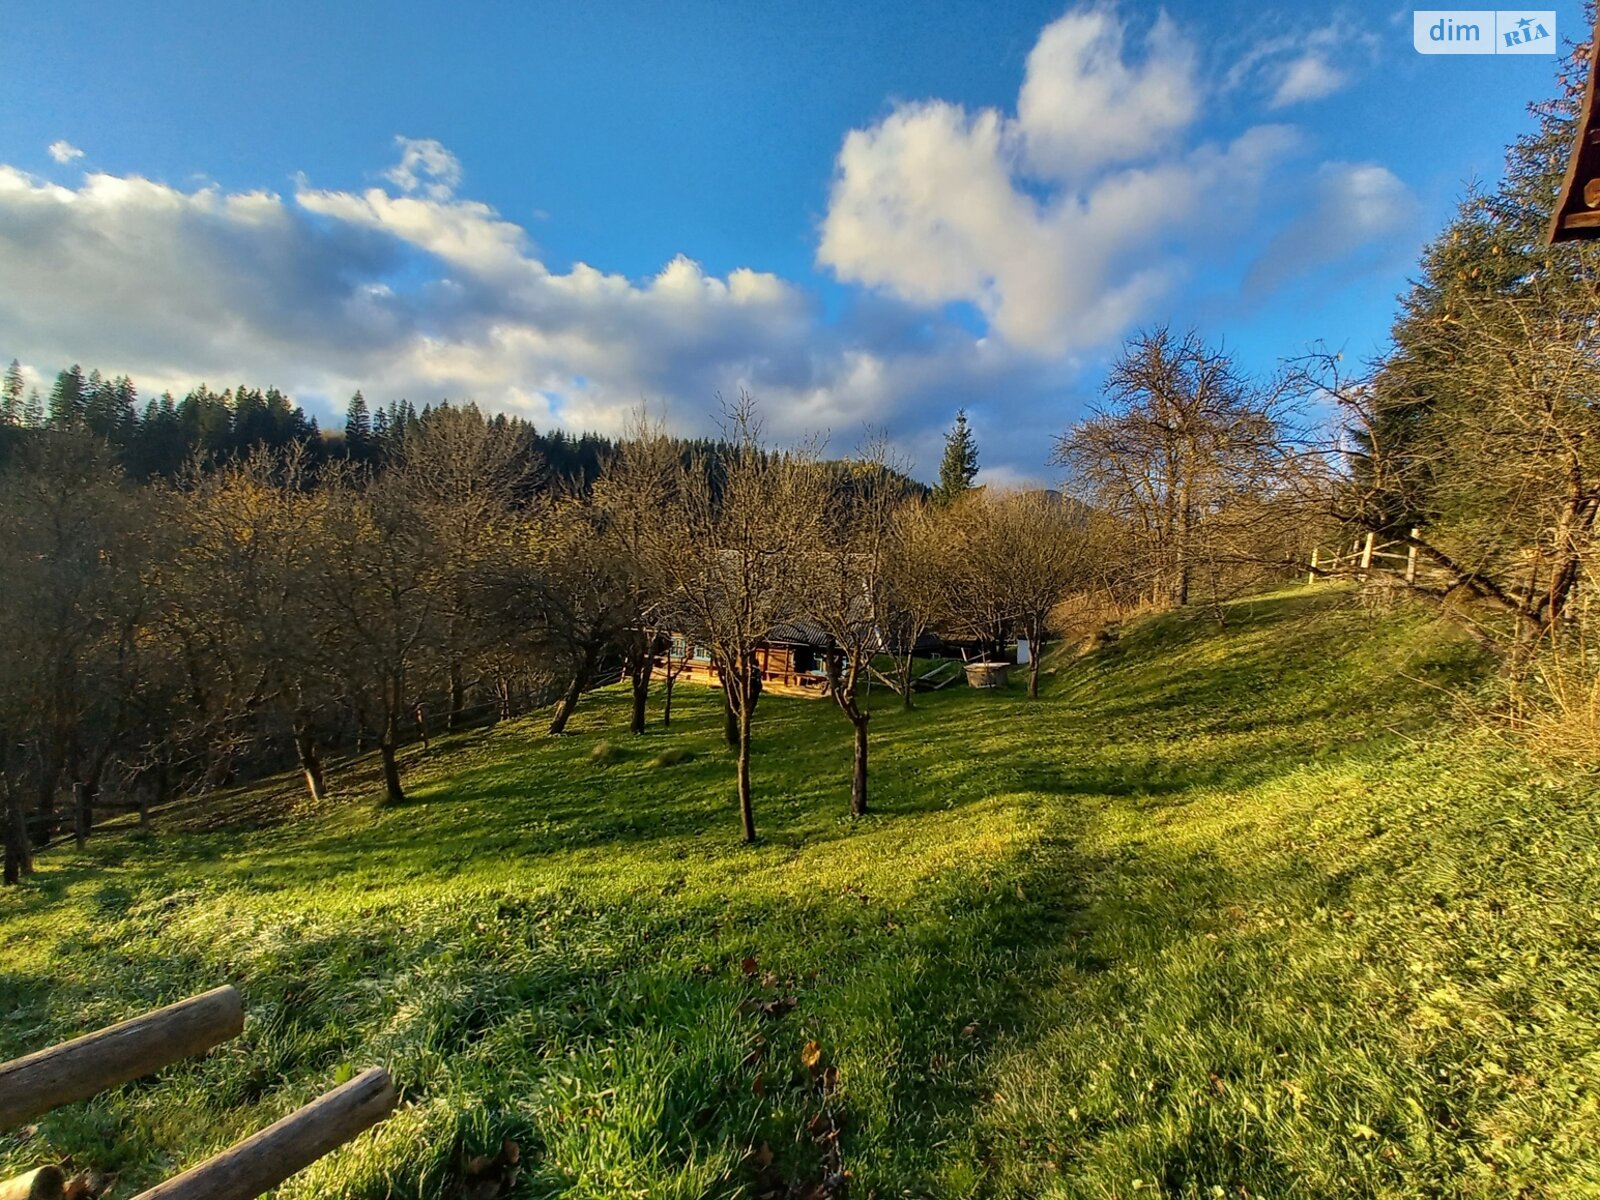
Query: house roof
x=800, y=632
x=1576, y=214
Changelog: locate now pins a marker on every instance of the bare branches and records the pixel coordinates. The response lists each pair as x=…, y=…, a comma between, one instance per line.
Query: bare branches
x=1197, y=462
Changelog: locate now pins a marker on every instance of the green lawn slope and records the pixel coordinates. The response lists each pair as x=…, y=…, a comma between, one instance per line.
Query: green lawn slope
x=1224, y=914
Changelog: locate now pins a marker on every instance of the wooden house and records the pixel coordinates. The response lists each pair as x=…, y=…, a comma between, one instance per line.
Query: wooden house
x=792, y=658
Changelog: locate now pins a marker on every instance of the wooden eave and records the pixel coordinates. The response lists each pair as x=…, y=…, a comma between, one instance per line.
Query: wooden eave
x=1577, y=211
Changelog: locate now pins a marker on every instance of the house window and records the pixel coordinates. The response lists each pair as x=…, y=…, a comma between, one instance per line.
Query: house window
x=805, y=660
x=680, y=646
x=702, y=654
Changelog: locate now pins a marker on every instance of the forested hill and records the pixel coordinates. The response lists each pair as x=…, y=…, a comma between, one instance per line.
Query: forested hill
x=164, y=436
x=161, y=437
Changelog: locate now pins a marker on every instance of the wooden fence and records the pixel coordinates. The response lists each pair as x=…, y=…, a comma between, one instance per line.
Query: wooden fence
x=1365, y=557
x=85, y=1066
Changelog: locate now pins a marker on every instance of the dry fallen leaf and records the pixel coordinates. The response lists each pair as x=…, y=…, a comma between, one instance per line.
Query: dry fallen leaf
x=811, y=1055
x=749, y=966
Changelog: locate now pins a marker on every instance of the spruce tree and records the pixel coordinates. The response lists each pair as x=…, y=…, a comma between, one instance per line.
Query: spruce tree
x=1492, y=249
x=960, y=465
x=11, y=395
x=67, y=399
x=358, y=428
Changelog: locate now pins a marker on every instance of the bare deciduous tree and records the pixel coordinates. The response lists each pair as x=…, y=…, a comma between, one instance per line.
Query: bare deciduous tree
x=914, y=593
x=1181, y=434
x=1012, y=558
x=849, y=588
x=631, y=497
x=736, y=554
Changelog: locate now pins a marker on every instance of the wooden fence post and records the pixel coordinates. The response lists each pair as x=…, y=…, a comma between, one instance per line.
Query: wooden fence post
x=1312, y=578
x=1366, y=552
x=261, y=1162
x=84, y=1066
x=1411, y=558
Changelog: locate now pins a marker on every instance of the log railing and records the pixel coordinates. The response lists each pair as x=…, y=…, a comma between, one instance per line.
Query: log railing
x=1365, y=557
x=85, y=1066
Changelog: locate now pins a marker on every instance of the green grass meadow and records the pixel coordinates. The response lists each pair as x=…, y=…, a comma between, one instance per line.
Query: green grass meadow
x=1223, y=914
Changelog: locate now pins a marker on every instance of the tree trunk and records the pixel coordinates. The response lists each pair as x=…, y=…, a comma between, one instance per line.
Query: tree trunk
x=906, y=669
x=389, y=746
x=1185, y=534
x=666, y=708
x=49, y=775
x=458, y=699
x=82, y=812
x=569, y=699
x=730, y=724
x=503, y=691
x=747, y=812
x=305, y=744
x=641, y=694
x=1035, y=653
x=858, y=777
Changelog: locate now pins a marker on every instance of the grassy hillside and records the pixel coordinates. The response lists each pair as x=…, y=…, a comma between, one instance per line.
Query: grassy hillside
x=1233, y=914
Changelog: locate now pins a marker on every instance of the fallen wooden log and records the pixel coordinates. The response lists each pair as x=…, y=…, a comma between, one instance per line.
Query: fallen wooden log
x=78, y=1069
x=46, y=1183
x=263, y=1161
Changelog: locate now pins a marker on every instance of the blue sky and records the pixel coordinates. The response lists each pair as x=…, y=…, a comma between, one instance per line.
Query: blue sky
x=883, y=211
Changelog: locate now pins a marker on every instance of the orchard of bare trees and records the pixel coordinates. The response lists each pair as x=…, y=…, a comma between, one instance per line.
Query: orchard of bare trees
x=285, y=606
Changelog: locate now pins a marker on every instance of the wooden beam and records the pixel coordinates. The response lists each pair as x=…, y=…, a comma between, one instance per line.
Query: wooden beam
x=261, y=1162
x=1581, y=220
x=78, y=1069
x=46, y=1183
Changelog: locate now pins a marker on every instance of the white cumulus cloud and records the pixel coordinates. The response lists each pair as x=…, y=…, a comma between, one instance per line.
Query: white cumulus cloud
x=425, y=168
x=1063, y=223
x=64, y=151
x=324, y=291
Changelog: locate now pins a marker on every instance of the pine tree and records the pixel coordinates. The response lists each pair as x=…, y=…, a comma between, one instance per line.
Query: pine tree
x=11, y=395
x=33, y=410
x=358, y=428
x=960, y=465
x=67, y=399
x=108, y=407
